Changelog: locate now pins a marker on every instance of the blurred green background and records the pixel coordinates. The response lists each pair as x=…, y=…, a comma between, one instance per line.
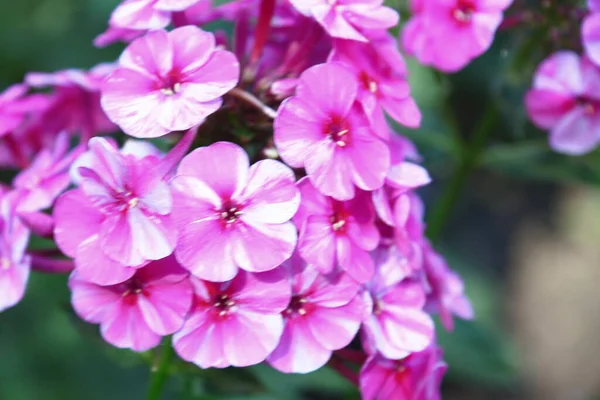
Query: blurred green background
x=515, y=186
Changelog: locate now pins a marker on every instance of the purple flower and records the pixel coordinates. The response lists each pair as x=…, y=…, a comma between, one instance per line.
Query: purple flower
x=347, y=19
x=118, y=219
x=565, y=99
x=323, y=315
x=136, y=313
x=235, y=323
x=335, y=233
x=168, y=82
x=231, y=215
x=320, y=130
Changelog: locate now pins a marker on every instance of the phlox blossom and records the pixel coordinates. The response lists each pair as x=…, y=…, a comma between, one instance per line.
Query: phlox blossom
x=590, y=32
x=168, y=81
x=136, y=313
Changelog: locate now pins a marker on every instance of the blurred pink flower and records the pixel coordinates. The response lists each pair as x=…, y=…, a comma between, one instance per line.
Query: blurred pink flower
x=236, y=323
x=397, y=324
x=590, y=32
x=565, y=99
x=416, y=377
x=335, y=233
x=231, y=215
x=168, y=82
x=347, y=19
x=136, y=313
x=470, y=25
x=15, y=106
x=320, y=130
x=324, y=314
x=120, y=215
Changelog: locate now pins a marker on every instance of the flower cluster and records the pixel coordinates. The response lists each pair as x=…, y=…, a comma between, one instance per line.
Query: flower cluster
x=300, y=243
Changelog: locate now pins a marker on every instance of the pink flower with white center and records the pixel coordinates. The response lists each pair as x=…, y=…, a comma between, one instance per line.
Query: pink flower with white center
x=119, y=219
x=565, y=99
x=590, y=32
x=446, y=290
x=15, y=264
x=469, y=24
x=335, y=233
x=416, y=377
x=381, y=84
x=47, y=176
x=136, y=313
x=323, y=131
x=235, y=323
x=168, y=81
x=397, y=324
x=231, y=215
x=347, y=19
x=323, y=315
x=75, y=105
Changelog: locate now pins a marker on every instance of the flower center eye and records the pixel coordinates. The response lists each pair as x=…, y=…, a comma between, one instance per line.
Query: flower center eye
x=464, y=10
x=223, y=304
x=171, y=90
x=590, y=106
x=230, y=213
x=131, y=289
x=297, y=306
x=338, y=219
x=368, y=83
x=338, y=131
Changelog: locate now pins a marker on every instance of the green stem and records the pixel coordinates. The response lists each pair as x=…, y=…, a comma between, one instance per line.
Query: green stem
x=160, y=372
x=470, y=156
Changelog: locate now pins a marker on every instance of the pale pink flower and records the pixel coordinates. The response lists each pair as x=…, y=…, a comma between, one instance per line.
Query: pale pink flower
x=15, y=264
x=446, y=294
x=590, y=32
x=470, y=25
x=323, y=131
x=416, y=377
x=397, y=324
x=347, y=19
x=168, y=82
x=324, y=314
x=147, y=14
x=136, y=313
x=335, y=233
x=382, y=84
x=120, y=215
x=231, y=215
x=565, y=99
x=235, y=323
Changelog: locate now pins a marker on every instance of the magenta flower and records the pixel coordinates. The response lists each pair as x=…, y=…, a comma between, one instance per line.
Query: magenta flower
x=231, y=215
x=120, y=215
x=469, y=24
x=12, y=112
x=446, y=294
x=15, y=264
x=347, y=19
x=397, y=324
x=168, y=82
x=236, y=323
x=136, y=313
x=147, y=14
x=335, y=233
x=416, y=377
x=565, y=100
x=324, y=314
x=381, y=72
x=590, y=32
x=320, y=130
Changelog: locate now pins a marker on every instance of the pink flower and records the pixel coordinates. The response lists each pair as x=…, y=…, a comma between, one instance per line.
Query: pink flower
x=446, y=290
x=234, y=323
x=231, y=215
x=323, y=315
x=168, y=82
x=136, y=313
x=118, y=219
x=15, y=264
x=382, y=84
x=469, y=24
x=47, y=176
x=565, y=99
x=12, y=113
x=320, y=130
x=590, y=32
x=397, y=325
x=347, y=19
x=75, y=104
x=416, y=377
x=336, y=233
x=147, y=14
